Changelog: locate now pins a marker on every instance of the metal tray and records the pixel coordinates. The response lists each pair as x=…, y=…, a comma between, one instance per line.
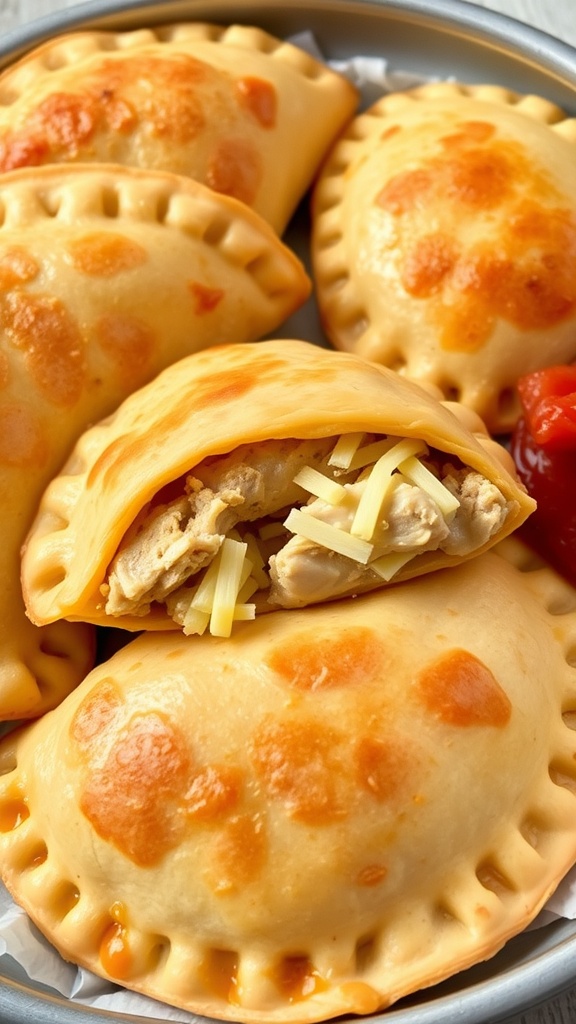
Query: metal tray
x=452, y=39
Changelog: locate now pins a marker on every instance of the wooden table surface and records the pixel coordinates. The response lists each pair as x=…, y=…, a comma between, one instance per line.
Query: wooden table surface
x=558, y=18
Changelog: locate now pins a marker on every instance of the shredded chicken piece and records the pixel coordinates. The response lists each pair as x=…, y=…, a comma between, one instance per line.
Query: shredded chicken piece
x=302, y=572
x=171, y=542
x=482, y=511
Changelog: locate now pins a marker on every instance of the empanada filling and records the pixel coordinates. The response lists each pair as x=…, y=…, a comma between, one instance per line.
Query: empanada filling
x=287, y=523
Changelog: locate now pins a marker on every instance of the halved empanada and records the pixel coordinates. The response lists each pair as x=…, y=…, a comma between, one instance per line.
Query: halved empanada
x=335, y=473
x=246, y=113
x=444, y=240
x=106, y=276
x=333, y=808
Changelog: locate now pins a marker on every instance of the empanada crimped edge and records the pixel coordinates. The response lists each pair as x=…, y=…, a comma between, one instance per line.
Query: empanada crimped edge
x=334, y=808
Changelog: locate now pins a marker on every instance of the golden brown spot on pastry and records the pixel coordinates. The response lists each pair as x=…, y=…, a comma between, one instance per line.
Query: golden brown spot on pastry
x=115, y=955
x=313, y=662
x=381, y=766
x=17, y=266
x=296, y=764
x=105, y=254
x=258, y=97
x=390, y=132
x=427, y=264
x=18, y=150
x=462, y=691
x=372, y=874
x=96, y=713
x=218, y=973
x=240, y=852
x=235, y=169
x=213, y=389
x=469, y=131
x=54, y=350
x=204, y=299
x=403, y=192
x=297, y=978
x=526, y=276
x=173, y=108
x=22, y=440
x=13, y=811
x=130, y=800
x=58, y=127
x=128, y=342
x=64, y=122
x=213, y=792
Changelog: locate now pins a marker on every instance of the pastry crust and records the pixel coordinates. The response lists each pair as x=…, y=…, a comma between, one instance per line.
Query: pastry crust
x=212, y=404
x=107, y=275
x=444, y=240
x=332, y=809
x=247, y=114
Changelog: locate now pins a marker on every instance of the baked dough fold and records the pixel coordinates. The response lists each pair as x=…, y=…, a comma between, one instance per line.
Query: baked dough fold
x=107, y=275
x=330, y=810
x=444, y=240
x=247, y=114
x=301, y=473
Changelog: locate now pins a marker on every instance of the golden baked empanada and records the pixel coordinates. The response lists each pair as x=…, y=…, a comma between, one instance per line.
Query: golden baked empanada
x=106, y=276
x=334, y=808
x=246, y=113
x=335, y=473
x=444, y=240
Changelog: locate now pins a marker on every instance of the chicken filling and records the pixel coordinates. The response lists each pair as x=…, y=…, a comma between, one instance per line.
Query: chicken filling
x=287, y=523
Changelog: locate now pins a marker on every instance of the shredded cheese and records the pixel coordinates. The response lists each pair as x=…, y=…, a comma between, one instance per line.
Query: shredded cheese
x=371, y=452
x=320, y=486
x=255, y=557
x=370, y=504
x=223, y=591
x=327, y=536
x=422, y=477
x=388, y=565
x=232, y=555
x=344, y=450
x=270, y=530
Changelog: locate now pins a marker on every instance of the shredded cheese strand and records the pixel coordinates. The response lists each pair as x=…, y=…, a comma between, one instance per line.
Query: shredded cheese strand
x=370, y=504
x=232, y=556
x=327, y=536
x=344, y=450
x=388, y=565
x=371, y=452
x=421, y=476
x=320, y=486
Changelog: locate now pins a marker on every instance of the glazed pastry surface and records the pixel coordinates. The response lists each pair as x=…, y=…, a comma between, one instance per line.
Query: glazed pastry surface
x=247, y=114
x=107, y=275
x=444, y=240
x=323, y=813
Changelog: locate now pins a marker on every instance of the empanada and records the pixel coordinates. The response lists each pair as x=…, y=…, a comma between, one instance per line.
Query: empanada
x=106, y=276
x=332, y=809
x=234, y=107
x=336, y=473
x=444, y=240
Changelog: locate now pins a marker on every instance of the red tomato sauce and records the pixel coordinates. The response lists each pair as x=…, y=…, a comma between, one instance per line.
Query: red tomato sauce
x=543, y=446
